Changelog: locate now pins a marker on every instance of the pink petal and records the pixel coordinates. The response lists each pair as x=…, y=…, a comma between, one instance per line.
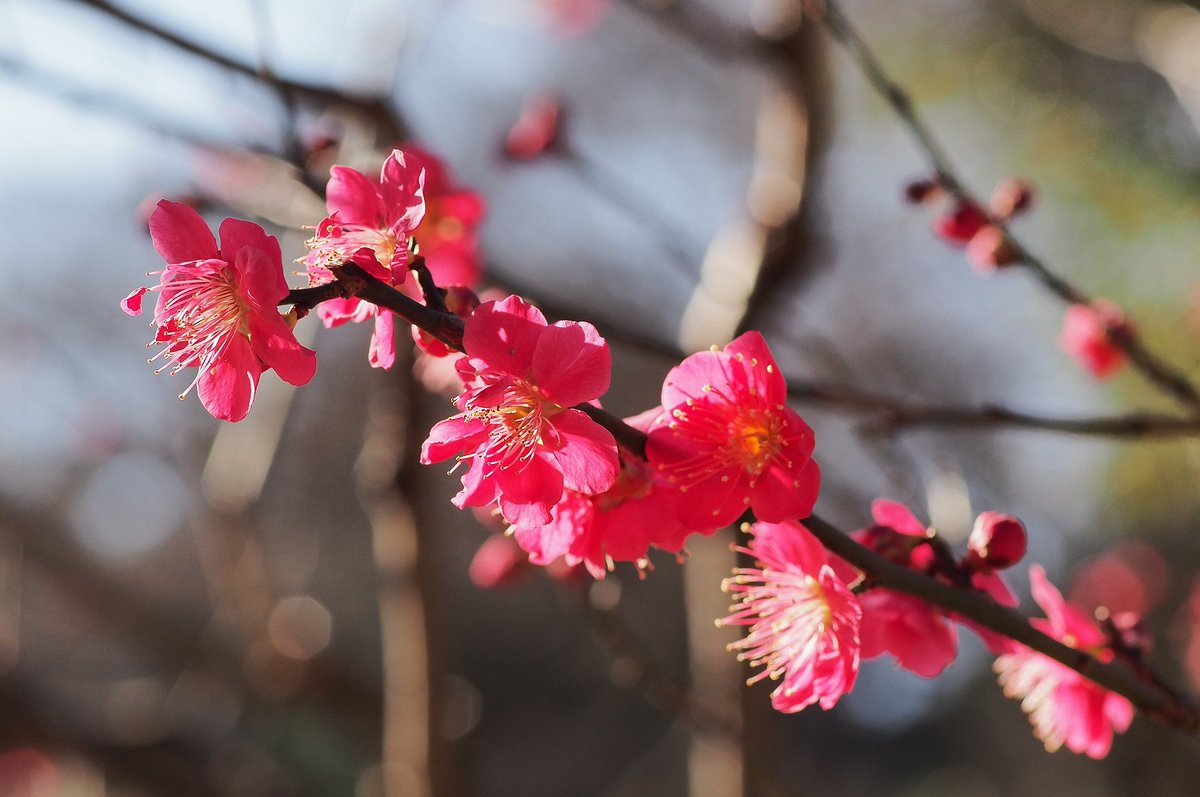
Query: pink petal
x=336, y=312
x=571, y=363
x=180, y=234
x=353, y=197
x=896, y=516
x=765, y=375
x=478, y=489
x=788, y=543
x=503, y=335
x=276, y=345
x=259, y=273
x=688, y=379
x=132, y=304
x=526, y=496
x=919, y=637
x=265, y=283
x=588, y=456
x=401, y=192
x=452, y=436
x=382, y=352
x=782, y=494
x=227, y=388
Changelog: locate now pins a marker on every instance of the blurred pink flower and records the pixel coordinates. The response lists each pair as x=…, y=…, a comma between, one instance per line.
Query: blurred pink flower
x=535, y=130
x=524, y=443
x=1085, y=337
x=448, y=237
x=997, y=541
x=803, y=619
x=728, y=441
x=217, y=309
x=1063, y=706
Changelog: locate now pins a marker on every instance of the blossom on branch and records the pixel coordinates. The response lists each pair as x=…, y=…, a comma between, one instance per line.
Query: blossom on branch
x=804, y=620
x=922, y=638
x=1063, y=706
x=619, y=524
x=1087, y=337
x=523, y=442
x=369, y=223
x=217, y=309
x=728, y=441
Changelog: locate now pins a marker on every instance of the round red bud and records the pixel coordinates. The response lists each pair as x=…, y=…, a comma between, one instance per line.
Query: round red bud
x=997, y=541
x=960, y=225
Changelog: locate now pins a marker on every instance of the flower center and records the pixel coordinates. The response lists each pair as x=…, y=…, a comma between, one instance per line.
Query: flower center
x=202, y=312
x=755, y=439
x=514, y=411
x=337, y=242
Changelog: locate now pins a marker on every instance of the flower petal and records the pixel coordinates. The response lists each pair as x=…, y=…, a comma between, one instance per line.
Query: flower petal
x=452, y=436
x=353, y=197
x=588, y=455
x=276, y=345
x=180, y=234
x=571, y=363
x=227, y=388
x=401, y=190
x=132, y=304
x=503, y=335
x=382, y=352
x=897, y=517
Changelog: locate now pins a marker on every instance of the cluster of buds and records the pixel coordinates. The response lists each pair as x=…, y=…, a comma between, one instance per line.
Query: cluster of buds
x=961, y=222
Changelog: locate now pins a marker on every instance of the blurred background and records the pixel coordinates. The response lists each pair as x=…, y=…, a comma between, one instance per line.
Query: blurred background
x=288, y=606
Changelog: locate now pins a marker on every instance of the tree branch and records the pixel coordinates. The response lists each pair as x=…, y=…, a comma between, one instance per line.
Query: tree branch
x=1156, y=370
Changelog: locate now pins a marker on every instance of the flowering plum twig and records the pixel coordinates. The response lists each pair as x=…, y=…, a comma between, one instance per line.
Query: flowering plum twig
x=1148, y=694
x=1150, y=365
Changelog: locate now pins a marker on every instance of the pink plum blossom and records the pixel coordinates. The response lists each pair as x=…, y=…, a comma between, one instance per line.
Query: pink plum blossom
x=216, y=309
x=804, y=620
x=1063, y=706
x=617, y=525
x=523, y=442
x=1086, y=337
x=728, y=441
x=369, y=223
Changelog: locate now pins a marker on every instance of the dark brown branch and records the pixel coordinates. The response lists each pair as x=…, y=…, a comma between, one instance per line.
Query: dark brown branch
x=1157, y=371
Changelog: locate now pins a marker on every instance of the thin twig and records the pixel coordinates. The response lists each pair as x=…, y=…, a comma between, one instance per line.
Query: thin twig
x=1156, y=370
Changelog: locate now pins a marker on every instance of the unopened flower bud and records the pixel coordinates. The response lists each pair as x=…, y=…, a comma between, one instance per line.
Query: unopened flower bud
x=1011, y=197
x=920, y=191
x=997, y=541
x=989, y=250
x=535, y=130
x=960, y=224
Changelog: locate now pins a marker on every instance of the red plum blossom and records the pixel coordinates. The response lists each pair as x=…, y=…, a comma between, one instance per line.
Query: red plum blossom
x=728, y=441
x=523, y=442
x=217, y=309
x=803, y=619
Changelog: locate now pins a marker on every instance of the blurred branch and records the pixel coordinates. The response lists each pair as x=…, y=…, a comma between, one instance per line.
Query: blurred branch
x=175, y=640
x=671, y=697
x=1156, y=370
x=374, y=107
